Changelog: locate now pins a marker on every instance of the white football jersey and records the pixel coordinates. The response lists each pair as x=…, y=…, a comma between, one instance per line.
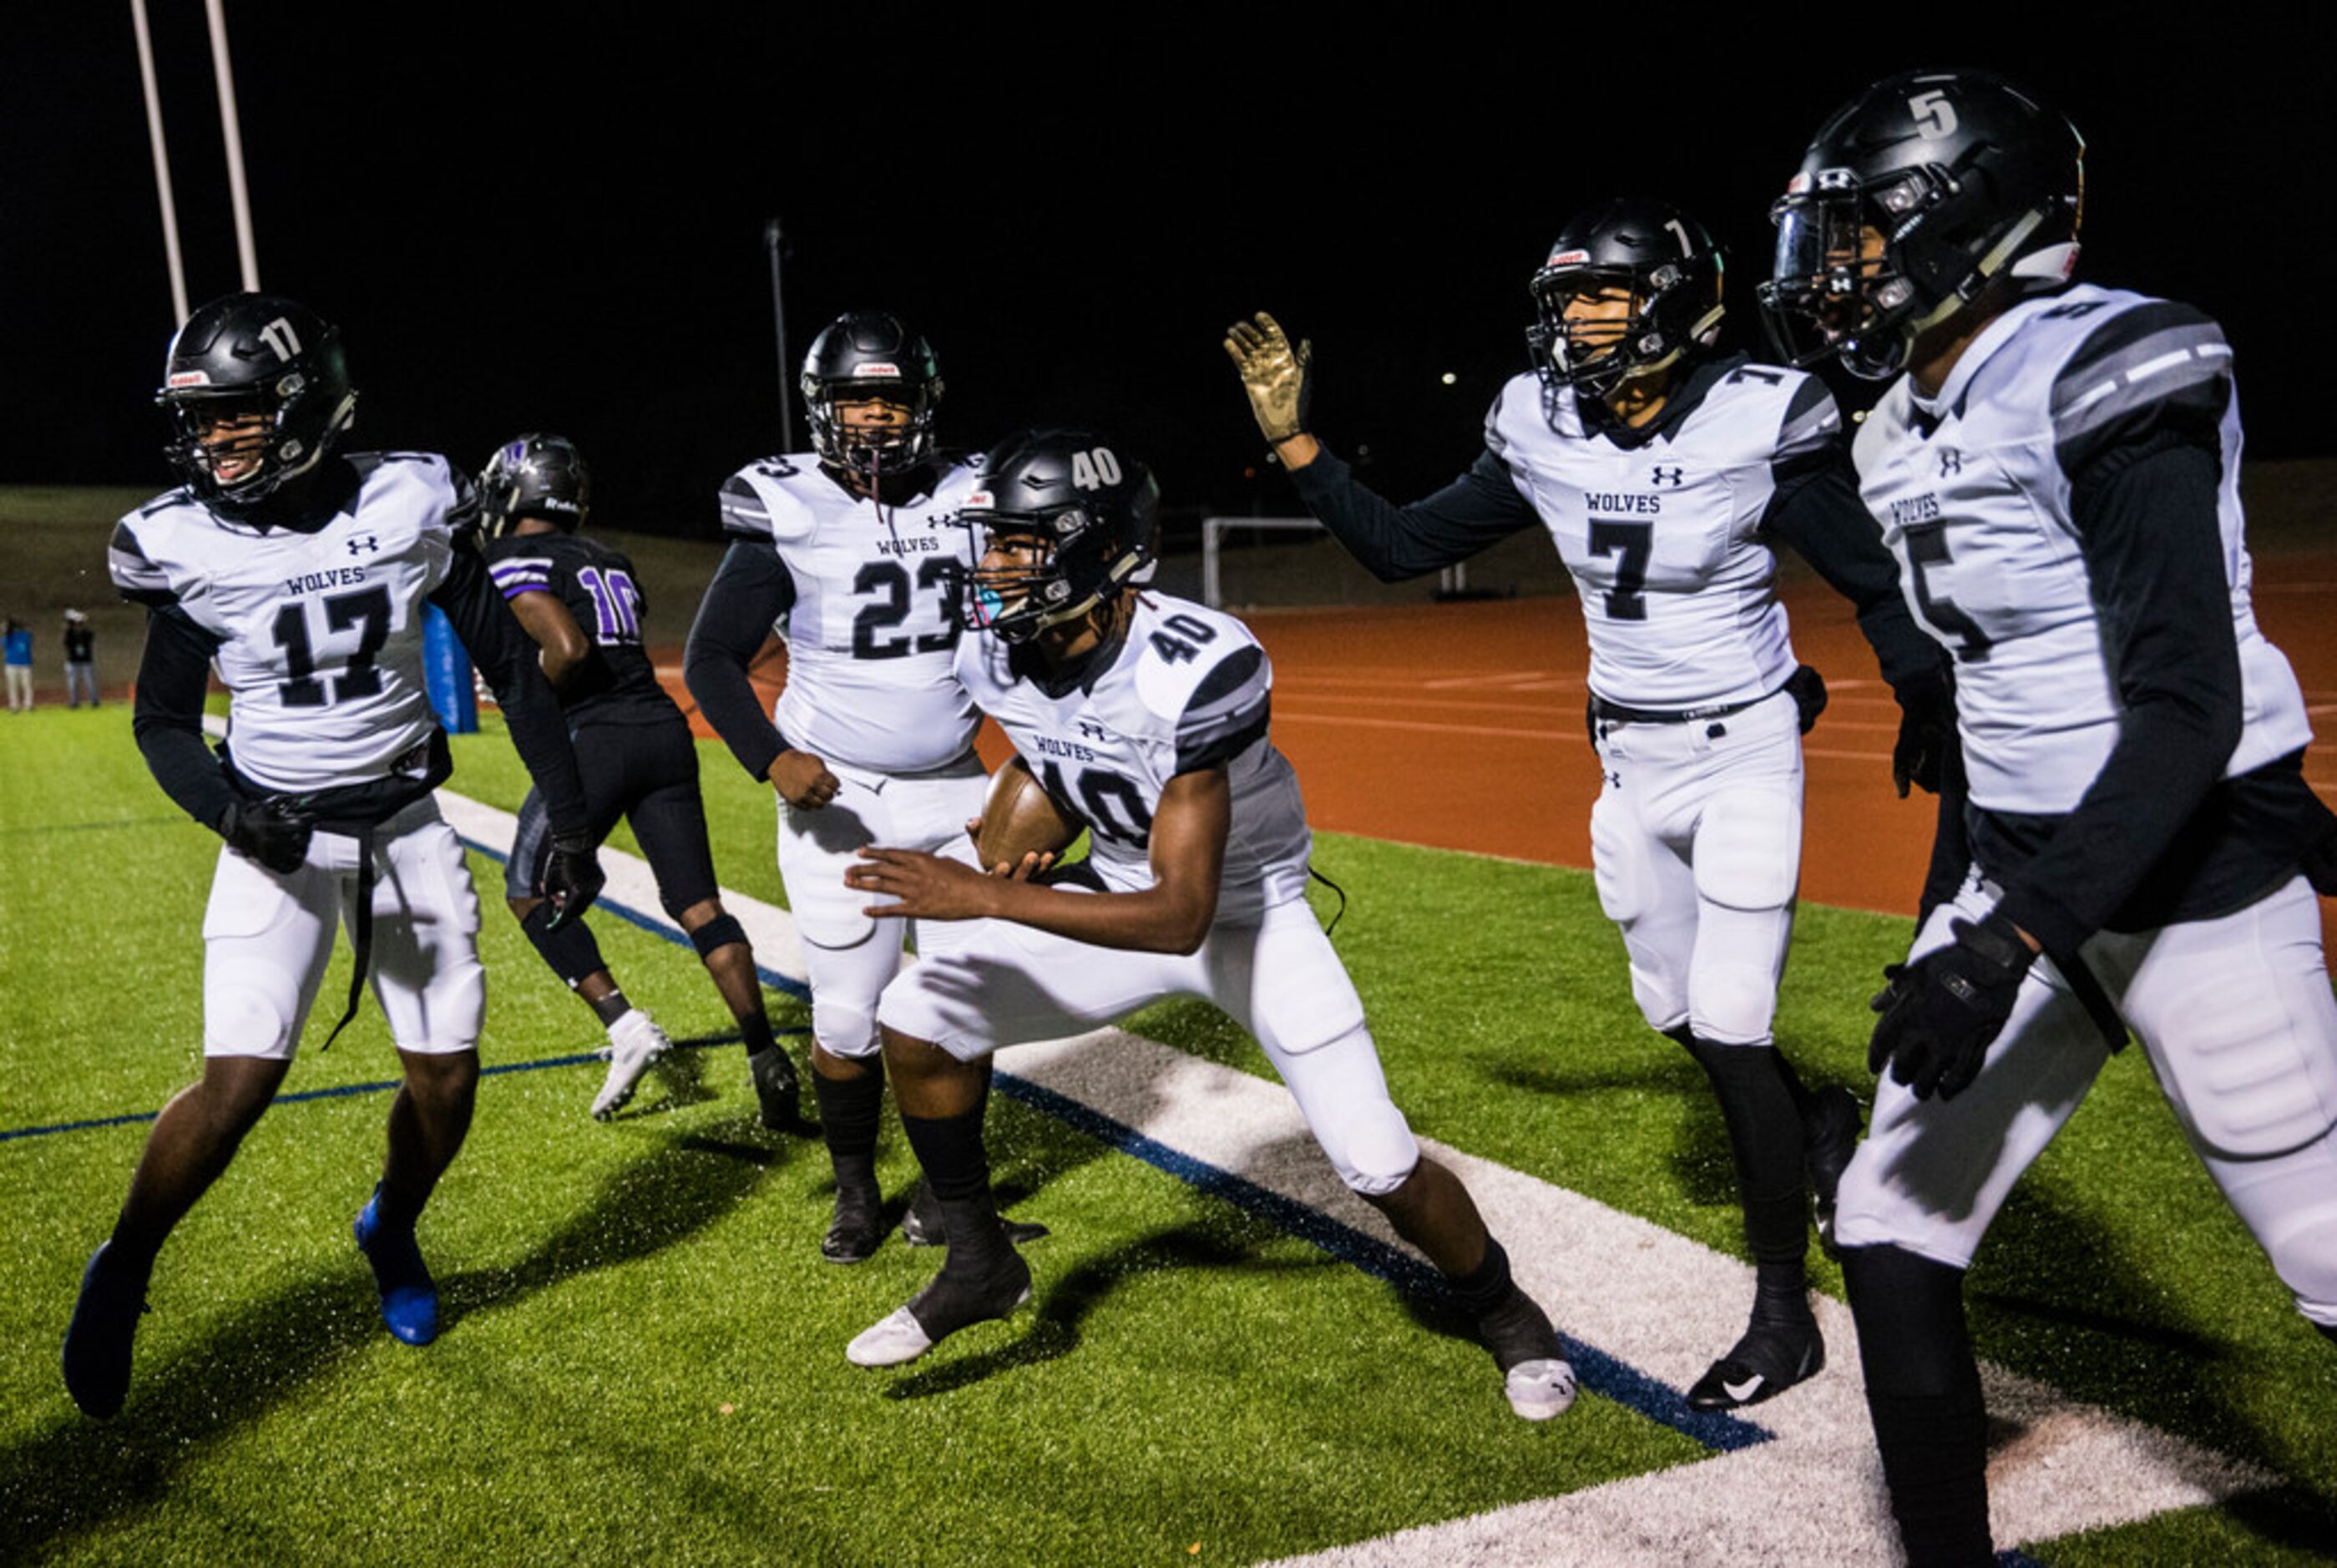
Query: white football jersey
x=873, y=631
x=1972, y=500
x=1662, y=538
x=1189, y=689
x=321, y=633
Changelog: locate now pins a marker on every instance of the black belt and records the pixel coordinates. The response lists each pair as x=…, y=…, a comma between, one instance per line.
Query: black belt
x=1608, y=712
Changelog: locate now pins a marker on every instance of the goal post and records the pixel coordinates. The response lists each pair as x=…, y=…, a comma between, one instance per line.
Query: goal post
x=1452, y=579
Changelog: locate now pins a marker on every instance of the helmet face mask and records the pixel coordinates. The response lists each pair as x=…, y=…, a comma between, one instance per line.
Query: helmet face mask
x=534, y=476
x=1060, y=523
x=1924, y=192
x=1628, y=289
x=866, y=356
x=257, y=392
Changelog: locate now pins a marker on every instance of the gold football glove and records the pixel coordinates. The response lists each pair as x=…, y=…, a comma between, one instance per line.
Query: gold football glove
x=1275, y=375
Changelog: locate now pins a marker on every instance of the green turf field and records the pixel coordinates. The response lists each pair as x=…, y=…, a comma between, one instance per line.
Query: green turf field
x=643, y=1360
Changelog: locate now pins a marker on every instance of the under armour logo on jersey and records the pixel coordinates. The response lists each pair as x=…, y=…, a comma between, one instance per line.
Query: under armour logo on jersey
x=1669, y=474
x=1950, y=461
x=364, y=543
x=1094, y=731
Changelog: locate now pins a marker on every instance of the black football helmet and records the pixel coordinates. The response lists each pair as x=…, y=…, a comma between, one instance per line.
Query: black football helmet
x=254, y=354
x=867, y=354
x=1090, y=505
x=1669, y=263
x=535, y=476
x=1919, y=193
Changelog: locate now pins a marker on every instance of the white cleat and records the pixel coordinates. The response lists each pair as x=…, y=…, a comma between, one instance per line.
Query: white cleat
x=897, y=1339
x=635, y=1042
x=1539, y=1390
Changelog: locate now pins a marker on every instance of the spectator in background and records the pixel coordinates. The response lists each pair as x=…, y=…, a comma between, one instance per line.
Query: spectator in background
x=80, y=660
x=19, y=654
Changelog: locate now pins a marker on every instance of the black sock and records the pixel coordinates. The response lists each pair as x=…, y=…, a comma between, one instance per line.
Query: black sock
x=1923, y=1391
x=957, y=1173
x=1488, y=1285
x=1764, y=1138
x=849, y=1111
x=2328, y=1331
x=610, y=1007
x=755, y=1033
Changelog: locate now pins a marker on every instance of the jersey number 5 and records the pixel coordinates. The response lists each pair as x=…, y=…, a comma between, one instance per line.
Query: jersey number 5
x=1927, y=545
x=368, y=611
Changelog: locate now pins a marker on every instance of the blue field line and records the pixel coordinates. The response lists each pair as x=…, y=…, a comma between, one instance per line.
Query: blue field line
x=696, y=1042
x=1599, y=1372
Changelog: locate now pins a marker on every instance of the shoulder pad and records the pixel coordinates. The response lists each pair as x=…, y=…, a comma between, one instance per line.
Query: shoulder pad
x=1812, y=419
x=760, y=502
x=1176, y=645
x=2136, y=355
x=138, y=578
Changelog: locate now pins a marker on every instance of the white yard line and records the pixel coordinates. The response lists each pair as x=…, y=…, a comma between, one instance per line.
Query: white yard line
x=1659, y=1302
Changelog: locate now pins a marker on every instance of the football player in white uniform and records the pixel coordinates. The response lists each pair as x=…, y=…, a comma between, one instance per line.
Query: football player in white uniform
x=1145, y=719
x=2056, y=469
x=838, y=550
x=299, y=574
x=582, y=602
x=1664, y=474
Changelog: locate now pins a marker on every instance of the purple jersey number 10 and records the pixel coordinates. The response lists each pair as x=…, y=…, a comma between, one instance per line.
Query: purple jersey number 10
x=616, y=603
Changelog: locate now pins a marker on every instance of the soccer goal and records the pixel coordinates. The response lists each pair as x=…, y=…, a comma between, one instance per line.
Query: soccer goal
x=1450, y=582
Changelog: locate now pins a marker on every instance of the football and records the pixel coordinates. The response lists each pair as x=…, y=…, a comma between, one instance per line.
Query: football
x=1019, y=817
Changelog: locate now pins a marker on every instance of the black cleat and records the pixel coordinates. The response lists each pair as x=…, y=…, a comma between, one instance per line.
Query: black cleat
x=779, y=1095
x=1769, y=1360
x=1829, y=1138
x=1535, y=1373
x=923, y=1226
x=98, y=1340
x=953, y=1301
x=858, y=1226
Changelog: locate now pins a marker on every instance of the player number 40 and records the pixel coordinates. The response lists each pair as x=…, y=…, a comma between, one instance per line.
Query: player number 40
x=1182, y=637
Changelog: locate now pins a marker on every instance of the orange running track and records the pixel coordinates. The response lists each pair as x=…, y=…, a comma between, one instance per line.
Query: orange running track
x=1460, y=726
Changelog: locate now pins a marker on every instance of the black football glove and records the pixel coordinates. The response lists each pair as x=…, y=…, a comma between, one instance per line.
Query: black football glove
x=1927, y=734
x=269, y=831
x=571, y=878
x=1940, y=1012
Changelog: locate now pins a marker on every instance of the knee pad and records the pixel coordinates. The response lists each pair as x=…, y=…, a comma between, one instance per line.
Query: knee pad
x=242, y=1020
x=571, y=950
x=1364, y=1136
x=716, y=934
x=843, y=1028
x=1376, y=1151
x=1748, y=849
x=1734, y=1004
x=1660, y=1000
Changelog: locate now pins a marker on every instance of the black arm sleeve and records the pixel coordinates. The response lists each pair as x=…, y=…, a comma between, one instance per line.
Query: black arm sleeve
x=1480, y=508
x=505, y=655
x=1817, y=511
x=168, y=719
x=2146, y=514
x=749, y=592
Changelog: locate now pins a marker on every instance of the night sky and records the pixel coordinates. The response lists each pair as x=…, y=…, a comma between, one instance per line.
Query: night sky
x=552, y=218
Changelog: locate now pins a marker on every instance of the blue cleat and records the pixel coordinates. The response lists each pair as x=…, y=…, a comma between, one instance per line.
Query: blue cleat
x=98, y=1340
x=409, y=1296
